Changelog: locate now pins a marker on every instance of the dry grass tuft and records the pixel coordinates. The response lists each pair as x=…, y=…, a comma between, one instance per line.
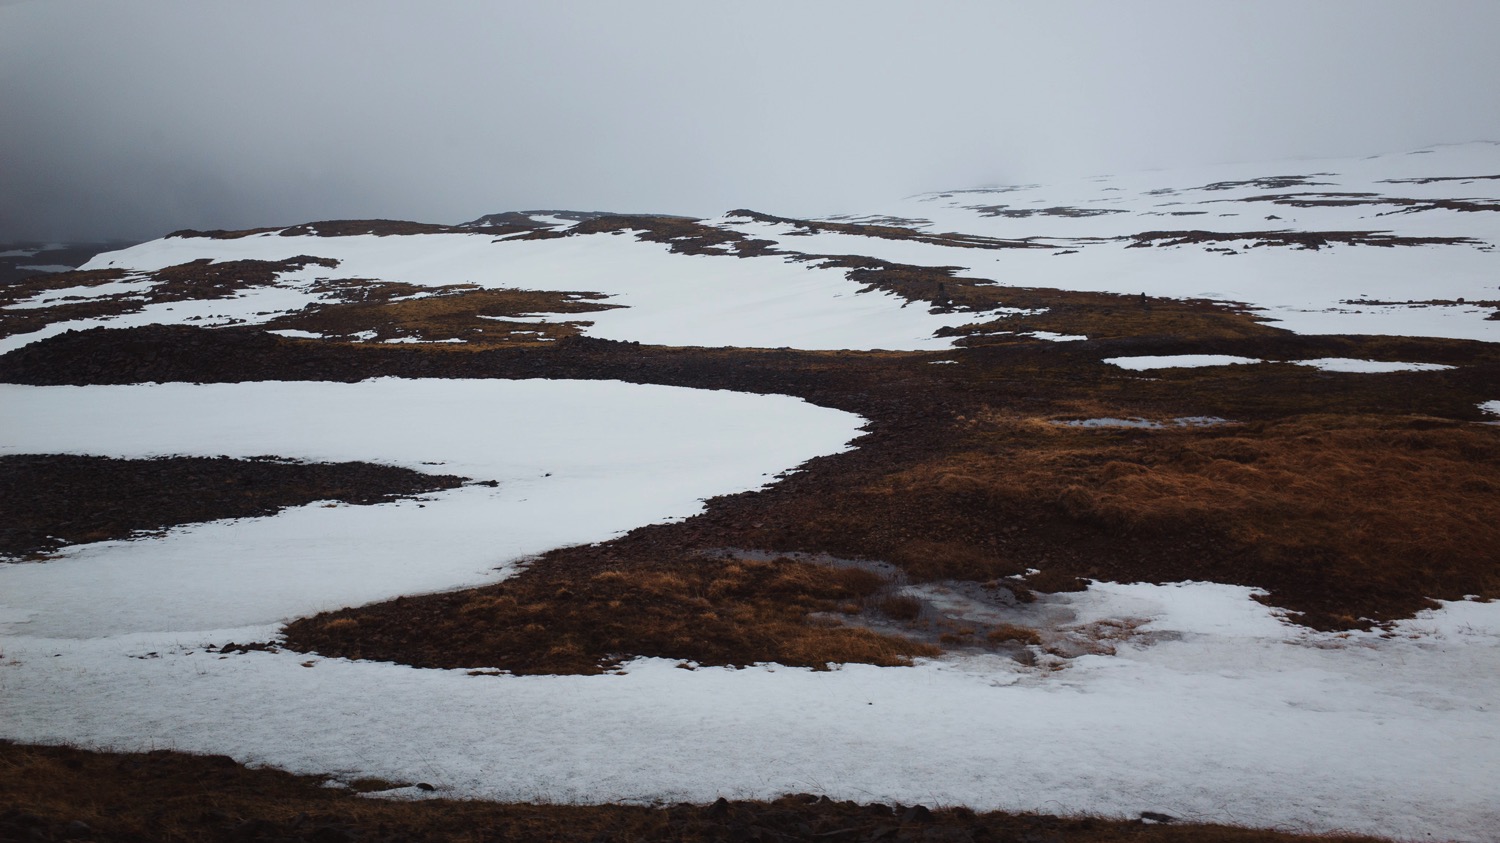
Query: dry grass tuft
x=900, y=607
x=378, y=311
x=1011, y=632
x=712, y=613
x=1341, y=517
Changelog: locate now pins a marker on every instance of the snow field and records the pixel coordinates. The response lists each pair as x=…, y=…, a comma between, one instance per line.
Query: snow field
x=769, y=302
x=257, y=305
x=669, y=299
x=1327, y=364
x=576, y=461
x=1232, y=715
x=1241, y=719
x=1177, y=361
x=1308, y=292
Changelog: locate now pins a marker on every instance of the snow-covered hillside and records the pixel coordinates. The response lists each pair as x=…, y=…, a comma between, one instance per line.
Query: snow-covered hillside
x=1196, y=700
x=1367, y=285
x=1397, y=244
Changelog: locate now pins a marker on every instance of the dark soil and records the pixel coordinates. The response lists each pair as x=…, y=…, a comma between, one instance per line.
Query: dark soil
x=354, y=228
x=1436, y=179
x=1352, y=498
x=700, y=609
x=891, y=232
x=1347, y=496
x=58, y=793
x=48, y=501
x=1023, y=213
x=883, y=219
x=1346, y=200
x=193, y=281
x=1267, y=183
x=1300, y=239
x=375, y=312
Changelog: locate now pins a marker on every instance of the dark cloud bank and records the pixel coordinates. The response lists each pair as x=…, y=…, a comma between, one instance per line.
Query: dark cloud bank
x=129, y=119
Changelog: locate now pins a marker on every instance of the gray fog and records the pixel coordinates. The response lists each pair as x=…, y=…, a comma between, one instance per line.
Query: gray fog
x=131, y=119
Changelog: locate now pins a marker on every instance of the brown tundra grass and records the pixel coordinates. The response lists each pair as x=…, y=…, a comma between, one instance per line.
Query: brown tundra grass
x=707, y=612
x=1372, y=512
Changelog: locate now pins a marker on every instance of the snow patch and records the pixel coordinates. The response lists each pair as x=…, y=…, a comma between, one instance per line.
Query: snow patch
x=667, y=298
x=51, y=297
x=576, y=461
x=1236, y=717
x=1178, y=361
x=1347, y=364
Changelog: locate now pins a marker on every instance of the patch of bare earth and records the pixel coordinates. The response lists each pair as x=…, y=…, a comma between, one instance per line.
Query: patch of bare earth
x=1347, y=495
x=48, y=501
x=461, y=317
x=1312, y=240
x=197, y=280
x=1352, y=497
x=561, y=620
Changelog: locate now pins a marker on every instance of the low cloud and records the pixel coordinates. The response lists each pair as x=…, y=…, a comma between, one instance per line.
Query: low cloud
x=133, y=119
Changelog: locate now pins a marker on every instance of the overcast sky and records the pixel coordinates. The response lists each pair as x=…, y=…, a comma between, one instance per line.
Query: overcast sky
x=131, y=118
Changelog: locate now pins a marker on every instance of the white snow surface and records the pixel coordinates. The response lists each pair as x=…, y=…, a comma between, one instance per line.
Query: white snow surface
x=576, y=461
x=1178, y=361
x=1337, y=289
x=769, y=301
x=48, y=298
x=1346, y=364
x=1231, y=715
x=253, y=306
x=1220, y=711
x=669, y=299
x=1241, y=719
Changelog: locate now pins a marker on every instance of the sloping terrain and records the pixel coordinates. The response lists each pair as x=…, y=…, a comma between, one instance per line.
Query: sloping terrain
x=1177, y=458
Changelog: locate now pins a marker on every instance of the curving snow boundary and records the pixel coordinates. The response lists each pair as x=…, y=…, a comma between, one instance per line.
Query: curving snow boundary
x=576, y=461
x=1242, y=720
x=1230, y=716
x=665, y=298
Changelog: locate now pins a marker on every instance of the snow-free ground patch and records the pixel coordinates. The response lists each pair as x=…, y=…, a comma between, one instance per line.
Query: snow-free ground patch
x=574, y=461
x=664, y=298
x=1350, y=499
x=1229, y=716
